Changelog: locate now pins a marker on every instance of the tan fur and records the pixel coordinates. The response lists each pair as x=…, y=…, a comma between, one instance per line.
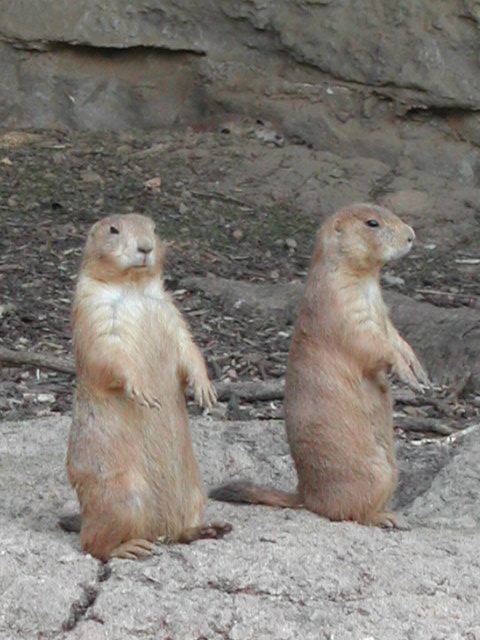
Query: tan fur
x=130, y=456
x=338, y=409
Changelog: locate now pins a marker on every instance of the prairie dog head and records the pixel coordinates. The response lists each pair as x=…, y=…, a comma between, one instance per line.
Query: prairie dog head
x=365, y=237
x=123, y=247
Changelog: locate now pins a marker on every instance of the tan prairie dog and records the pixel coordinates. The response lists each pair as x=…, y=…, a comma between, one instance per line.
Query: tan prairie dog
x=130, y=456
x=338, y=408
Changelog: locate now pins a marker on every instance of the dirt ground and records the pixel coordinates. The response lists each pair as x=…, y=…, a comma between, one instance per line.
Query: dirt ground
x=234, y=203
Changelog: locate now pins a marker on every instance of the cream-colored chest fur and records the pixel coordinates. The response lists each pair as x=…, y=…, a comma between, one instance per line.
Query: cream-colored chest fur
x=363, y=305
x=374, y=305
x=124, y=311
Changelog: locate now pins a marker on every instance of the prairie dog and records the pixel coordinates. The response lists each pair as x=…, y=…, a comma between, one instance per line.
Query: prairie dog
x=130, y=456
x=338, y=408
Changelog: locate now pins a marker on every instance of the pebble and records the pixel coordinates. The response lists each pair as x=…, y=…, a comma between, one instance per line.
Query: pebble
x=46, y=398
x=392, y=280
x=270, y=137
x=154, y=184
x=238, y=235
x=7, y=309
x=219, y=412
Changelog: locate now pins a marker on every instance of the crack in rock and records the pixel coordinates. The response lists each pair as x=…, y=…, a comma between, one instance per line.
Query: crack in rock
x=80, y=607
x=227, y=588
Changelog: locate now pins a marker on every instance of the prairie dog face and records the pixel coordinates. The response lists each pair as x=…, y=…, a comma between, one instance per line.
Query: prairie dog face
x=123, y=245
x=366, y=236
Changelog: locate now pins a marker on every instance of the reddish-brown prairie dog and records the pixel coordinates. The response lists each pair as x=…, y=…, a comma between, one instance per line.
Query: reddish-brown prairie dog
x=130, y=456
x=338, y=408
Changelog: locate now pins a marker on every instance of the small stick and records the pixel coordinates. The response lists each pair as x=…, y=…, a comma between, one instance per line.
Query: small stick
x=424, y=425
x=11, y=358
x=248, y=391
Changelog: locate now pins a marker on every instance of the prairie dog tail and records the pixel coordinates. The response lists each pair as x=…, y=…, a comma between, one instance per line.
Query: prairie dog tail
x=70, y=523
x=247, y=492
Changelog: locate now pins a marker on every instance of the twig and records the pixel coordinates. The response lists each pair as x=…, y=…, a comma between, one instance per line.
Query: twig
x=447, y=298
x=424, y=425
x=249, y=391
x=41, y=360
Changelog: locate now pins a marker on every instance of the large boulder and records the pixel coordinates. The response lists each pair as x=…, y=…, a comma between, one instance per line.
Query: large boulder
x=320, y=67
x=280, y=573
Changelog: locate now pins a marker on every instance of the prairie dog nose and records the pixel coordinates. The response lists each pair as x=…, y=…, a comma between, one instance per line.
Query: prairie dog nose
x=145, y=246
x=411, y=235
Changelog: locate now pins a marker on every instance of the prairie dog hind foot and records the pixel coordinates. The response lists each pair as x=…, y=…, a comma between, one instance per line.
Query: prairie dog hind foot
x=389, y=520
x=133, y=549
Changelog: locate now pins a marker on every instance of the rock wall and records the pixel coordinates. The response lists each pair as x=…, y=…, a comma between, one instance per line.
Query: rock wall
x=333, y=74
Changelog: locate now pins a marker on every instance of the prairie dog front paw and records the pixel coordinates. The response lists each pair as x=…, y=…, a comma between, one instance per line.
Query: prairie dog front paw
x=405, y=374
x=205, y=394
x=143, y=398
x=414, y=365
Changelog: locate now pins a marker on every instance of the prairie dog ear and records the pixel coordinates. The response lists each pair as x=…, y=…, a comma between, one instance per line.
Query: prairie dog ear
x=94, y=228
x=338, y=226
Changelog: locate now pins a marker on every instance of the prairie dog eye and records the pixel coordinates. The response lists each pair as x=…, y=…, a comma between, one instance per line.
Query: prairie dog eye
x=114, y=230
x=372, y=223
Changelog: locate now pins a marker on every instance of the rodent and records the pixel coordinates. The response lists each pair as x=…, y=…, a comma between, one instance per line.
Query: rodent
x=130, y=457
x=338, y=407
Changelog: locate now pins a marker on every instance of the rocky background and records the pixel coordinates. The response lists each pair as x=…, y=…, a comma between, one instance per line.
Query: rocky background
x=339, y=76
x=239, y=126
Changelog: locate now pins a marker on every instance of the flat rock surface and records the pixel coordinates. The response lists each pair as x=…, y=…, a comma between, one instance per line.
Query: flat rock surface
x=279, y=574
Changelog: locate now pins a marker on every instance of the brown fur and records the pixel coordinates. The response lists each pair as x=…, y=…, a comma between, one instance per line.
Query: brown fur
x=130, y=456
x=338, y=409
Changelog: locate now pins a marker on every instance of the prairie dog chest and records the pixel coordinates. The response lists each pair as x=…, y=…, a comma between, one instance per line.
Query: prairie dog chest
x=372, y=302
x=126, y=309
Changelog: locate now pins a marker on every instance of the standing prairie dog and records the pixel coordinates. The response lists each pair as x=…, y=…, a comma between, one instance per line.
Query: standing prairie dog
x=130, y=457
x=338, y=408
